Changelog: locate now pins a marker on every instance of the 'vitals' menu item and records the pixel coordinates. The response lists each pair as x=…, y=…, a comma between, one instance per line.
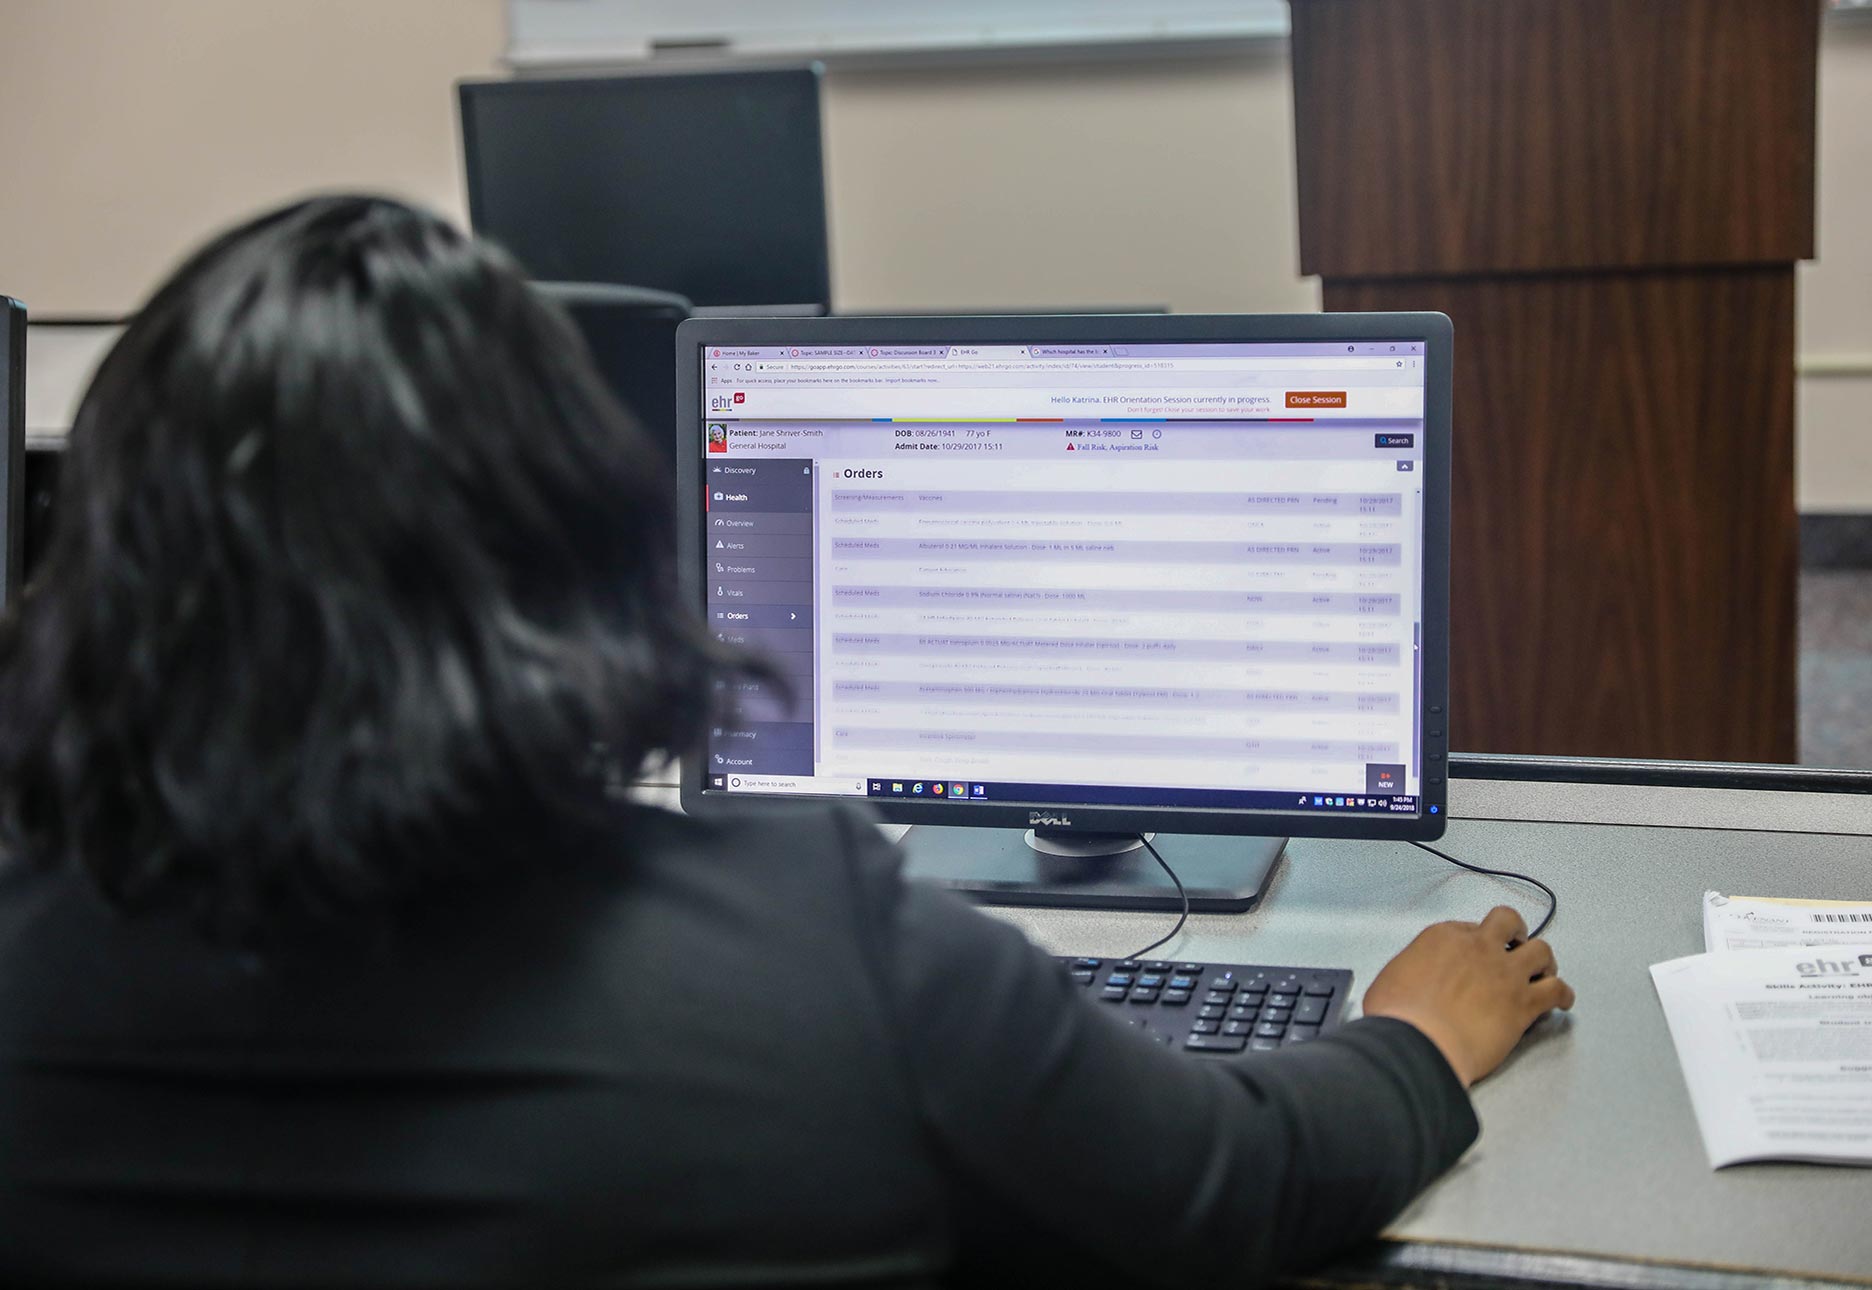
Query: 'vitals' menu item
x=1154, y=575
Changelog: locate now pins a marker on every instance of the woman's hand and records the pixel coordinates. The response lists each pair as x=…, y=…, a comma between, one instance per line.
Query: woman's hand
x=1472, y=988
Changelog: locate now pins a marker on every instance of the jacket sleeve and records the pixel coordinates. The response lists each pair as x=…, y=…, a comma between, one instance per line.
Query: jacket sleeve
x=1174, y=1167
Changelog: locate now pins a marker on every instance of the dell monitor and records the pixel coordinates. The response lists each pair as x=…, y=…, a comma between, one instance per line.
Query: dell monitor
x=710, y=185
x=12, y=443
x=1040, y=586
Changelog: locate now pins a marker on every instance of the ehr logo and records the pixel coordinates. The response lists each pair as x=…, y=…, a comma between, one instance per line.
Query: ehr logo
x=721, y=402
x=1834, y=967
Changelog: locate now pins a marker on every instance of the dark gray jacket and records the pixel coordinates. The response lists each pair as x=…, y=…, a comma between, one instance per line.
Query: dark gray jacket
x=740, y=1051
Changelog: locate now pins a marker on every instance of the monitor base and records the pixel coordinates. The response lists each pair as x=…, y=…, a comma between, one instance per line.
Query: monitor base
x=1223, y=875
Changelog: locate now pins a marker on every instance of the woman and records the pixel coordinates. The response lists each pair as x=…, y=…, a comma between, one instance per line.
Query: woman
x=329, y=954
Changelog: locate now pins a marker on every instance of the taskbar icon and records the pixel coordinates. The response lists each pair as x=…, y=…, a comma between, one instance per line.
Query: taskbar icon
x=957, y=790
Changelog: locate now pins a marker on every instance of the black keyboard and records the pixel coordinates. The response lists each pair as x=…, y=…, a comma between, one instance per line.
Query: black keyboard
x=1217, y=1007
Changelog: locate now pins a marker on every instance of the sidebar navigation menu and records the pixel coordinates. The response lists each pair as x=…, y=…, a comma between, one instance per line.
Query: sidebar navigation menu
x=760, y=595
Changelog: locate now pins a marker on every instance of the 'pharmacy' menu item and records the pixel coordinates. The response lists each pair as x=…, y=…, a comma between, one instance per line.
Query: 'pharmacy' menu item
x=1765, y=922
x=1776, y=1048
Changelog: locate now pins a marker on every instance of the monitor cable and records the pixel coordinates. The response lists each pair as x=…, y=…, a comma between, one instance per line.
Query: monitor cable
x=1553, y=901
x=1182, y=918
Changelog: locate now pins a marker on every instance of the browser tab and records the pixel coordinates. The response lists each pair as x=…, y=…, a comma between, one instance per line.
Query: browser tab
x=989, y=351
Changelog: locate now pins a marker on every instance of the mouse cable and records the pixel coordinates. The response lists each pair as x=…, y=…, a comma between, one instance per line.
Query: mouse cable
x=1181, y=918
x=1553, y=901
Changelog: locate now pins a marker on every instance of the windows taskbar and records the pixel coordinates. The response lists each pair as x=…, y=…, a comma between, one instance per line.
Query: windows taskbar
x=957, y=790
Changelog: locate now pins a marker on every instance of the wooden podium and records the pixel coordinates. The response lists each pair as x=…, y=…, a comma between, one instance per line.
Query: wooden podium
x=1608, y=198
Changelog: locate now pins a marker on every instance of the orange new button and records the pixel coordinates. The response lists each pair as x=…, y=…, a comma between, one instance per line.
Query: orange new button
x=1316, y=398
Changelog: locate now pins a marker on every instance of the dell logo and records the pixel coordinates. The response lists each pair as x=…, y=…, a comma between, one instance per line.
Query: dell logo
x=1036, y=818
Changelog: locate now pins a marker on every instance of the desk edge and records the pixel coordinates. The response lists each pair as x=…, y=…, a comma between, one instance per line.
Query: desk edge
x=1453, y=1265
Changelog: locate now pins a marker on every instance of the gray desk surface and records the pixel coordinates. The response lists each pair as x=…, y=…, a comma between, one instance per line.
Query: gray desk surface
x=1588, y=1143
x=1589, y=1149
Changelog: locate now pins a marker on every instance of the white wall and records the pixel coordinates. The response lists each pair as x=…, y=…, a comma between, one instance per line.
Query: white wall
x=1834, y=442
x=131, y=128
x=1142, y=183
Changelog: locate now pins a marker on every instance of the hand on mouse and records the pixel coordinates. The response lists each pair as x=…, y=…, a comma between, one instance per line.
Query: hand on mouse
x=1472, y=988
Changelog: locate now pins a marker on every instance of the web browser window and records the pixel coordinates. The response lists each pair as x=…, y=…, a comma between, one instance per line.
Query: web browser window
x=1154, y=574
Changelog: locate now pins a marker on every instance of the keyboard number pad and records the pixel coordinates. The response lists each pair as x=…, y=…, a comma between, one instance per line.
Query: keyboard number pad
x=1235, y=1009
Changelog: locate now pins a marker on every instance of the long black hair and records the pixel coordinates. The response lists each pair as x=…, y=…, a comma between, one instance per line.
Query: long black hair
x=358, y=563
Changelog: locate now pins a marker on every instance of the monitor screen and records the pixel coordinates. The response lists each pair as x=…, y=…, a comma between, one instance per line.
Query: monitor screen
x=709, y=185
x=1145, y=574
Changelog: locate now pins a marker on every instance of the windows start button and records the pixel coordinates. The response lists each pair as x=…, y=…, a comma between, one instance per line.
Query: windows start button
x=1316, y=398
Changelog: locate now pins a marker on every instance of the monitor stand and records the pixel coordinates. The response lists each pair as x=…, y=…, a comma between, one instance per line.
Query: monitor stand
x=1223, y=875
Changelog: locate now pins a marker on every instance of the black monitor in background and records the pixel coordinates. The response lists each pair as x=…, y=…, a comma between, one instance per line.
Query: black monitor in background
x=631, y=332
x=13, y=448
x=1088, y=577
x=710, y=185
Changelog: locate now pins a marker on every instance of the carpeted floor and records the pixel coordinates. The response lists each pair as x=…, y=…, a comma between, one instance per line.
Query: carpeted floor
x=1836, y=667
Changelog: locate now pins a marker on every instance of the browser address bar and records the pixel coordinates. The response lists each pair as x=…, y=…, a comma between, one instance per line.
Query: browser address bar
x=959, y=366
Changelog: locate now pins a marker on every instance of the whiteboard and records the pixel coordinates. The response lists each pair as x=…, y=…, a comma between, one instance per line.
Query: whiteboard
x=545, y=33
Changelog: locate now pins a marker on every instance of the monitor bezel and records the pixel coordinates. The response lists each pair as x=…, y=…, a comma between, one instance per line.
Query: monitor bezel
x=13, y=320
x=1433, y=329
x=475, y=91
